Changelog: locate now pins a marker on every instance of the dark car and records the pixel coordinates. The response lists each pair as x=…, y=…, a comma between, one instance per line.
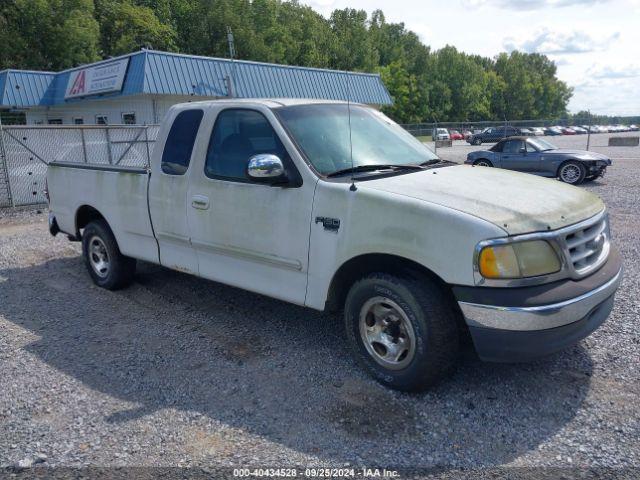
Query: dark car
x=492, y=135
x=537, y=156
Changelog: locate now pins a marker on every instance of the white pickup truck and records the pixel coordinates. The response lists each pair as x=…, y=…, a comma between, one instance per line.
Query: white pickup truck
x=334, y=206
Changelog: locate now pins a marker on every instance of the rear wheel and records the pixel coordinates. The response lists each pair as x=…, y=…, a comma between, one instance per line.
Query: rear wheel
x=107, y=266
x=402, y=330
x=483, y=162
x=572, y=172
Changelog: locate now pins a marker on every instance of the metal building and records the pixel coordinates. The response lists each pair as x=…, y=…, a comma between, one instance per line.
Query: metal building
x=139, y=87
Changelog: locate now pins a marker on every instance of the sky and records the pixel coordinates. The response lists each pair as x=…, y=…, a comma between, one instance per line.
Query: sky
x=594, y=43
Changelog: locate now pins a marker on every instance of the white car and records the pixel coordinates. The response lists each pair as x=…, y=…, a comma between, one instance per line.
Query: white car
x=441, y=134
x=538, y=131
x=281, y=198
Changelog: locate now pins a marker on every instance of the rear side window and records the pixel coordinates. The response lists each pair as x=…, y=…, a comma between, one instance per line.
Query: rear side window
x=179, y=145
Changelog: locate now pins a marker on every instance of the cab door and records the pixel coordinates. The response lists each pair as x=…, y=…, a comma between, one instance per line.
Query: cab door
x=248, y=234
x=515, y=157
x=168, y=188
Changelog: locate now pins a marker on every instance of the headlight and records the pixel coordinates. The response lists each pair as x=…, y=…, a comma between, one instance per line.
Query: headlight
x=518, y=260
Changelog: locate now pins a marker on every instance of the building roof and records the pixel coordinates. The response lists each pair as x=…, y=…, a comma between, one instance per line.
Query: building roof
x=162, y=73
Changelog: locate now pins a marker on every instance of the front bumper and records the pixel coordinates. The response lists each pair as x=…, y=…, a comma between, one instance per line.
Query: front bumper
x=520, y=324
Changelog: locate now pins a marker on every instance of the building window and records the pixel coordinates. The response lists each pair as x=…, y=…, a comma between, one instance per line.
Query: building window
x=54, y=121
x=102, y=120
x=179, y=144
x=129, y=118
x=78, y=121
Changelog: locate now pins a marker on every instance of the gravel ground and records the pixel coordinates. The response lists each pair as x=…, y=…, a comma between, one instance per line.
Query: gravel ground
x=178, y=371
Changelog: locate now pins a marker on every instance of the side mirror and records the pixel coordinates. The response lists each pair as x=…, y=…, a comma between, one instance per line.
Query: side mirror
x=266, y=168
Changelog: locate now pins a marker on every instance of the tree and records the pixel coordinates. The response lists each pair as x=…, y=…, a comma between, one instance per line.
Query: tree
x=126, y=27
x=47, y=34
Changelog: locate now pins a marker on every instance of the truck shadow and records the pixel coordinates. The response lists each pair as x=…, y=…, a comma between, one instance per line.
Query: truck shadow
x=277, y=371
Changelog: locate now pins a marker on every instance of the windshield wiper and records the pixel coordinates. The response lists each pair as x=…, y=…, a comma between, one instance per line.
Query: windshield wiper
x=373, y=168
x=431, y=162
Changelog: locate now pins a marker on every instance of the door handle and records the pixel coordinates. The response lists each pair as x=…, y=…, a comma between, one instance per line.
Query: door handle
x=200, y=202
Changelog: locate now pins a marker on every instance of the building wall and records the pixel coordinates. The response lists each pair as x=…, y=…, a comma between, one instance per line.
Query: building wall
x=147, y=109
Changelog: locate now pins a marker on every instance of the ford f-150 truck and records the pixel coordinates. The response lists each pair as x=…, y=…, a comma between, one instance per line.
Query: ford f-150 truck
x=334, y=206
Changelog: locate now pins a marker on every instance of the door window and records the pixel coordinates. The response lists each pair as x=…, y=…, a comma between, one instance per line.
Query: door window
x=512, y=146
x=237, y=136
x=530, y=148
x=177, y=150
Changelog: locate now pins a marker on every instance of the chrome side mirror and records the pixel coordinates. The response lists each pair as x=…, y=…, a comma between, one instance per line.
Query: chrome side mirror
x=266, y=167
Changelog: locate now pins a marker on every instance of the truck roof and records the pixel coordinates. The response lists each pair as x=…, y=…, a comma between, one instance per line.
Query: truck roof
x=270, y=102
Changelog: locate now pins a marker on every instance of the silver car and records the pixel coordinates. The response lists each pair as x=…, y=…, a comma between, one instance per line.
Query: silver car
x=539, y=157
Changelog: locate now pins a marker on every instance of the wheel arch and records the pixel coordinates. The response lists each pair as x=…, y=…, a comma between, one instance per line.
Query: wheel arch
x=359, y=266
x=86, y=214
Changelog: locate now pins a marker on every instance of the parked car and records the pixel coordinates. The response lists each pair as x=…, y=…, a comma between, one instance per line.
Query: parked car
x=441, y=134
x=455, y=135
x=272, y=197
x=634, y=128
x=537, y=156
x=538, y=131
x=492, y=134
x=466, y=134
x=553, y=131
x=526, y=131
x=580, y=130
x=568, y=131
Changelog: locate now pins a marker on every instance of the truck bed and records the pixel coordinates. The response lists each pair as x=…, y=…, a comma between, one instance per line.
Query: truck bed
x=118, y=193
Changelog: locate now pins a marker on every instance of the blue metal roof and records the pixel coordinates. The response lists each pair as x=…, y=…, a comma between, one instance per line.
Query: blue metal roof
x=163, y=73
x=20, y=88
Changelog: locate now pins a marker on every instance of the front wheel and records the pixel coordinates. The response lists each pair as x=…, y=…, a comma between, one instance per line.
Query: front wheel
x=572, y=172
x=402, y=330
x=477, y=141
x=483, y=162
x=107, y=266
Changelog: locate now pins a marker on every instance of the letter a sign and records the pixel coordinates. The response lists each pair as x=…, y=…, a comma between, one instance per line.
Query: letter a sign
x=104, y=77
x=78, y=87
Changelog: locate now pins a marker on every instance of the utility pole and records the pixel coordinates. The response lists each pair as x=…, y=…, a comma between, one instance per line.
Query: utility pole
x=232, y=54
x=589, y=129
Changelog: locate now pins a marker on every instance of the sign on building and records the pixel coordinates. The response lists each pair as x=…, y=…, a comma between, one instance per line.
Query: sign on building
x=104, y=78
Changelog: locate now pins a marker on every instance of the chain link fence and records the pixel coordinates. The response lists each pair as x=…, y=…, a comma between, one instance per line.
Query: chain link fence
x=26, y=150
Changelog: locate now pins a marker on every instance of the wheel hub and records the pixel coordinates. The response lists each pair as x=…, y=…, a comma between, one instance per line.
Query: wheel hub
x=570, y=173
x=387, y=333
x=99, y=257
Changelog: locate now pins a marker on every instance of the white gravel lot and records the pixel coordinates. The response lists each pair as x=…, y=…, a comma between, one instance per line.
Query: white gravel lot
x=178, y=371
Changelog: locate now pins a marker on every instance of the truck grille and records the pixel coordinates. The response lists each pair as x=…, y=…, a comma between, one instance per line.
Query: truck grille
x=586, y=247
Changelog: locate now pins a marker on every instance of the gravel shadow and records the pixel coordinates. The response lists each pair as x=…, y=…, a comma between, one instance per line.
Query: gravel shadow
x=278, y=371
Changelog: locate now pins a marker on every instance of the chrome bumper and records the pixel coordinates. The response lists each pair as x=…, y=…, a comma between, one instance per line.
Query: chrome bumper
x=538, y=317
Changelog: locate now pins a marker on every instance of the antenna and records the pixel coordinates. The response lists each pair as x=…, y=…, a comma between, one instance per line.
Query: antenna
x=353, y=187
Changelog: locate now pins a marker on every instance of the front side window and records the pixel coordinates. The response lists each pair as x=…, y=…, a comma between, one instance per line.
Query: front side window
x=512, y=146
x=179, y=146
x=322, y=132
x=237, y=136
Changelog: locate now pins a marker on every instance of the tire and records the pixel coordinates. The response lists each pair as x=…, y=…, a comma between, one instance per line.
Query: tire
x=416, y=310
x=107, y=266
x=572, y=172
x=476, y=141
x=483, y=162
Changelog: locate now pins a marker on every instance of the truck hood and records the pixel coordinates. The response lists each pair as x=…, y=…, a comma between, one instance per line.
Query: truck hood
x=516, y=202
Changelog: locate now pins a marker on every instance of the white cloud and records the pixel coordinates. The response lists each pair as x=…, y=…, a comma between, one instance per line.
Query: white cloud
x=557, y=42
x=529, y=4
x=615, y=72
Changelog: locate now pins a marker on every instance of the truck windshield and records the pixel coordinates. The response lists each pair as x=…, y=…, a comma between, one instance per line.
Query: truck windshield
x=322, y=132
